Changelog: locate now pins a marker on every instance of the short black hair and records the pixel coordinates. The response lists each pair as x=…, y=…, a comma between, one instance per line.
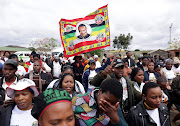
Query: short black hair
x=134, y=72
x=82, y=25
x=150, y=62
x=12, y=56
x=62, y=78
x=67, y=67
x=145, y=57
x=127, y=52
x=113, y=86
x=33, y=52
x=36, y=55
x=6, y=52
x=161, y=79
x=148, y=86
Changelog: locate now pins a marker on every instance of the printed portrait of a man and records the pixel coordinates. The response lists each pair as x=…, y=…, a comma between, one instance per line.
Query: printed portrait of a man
x=83, y=32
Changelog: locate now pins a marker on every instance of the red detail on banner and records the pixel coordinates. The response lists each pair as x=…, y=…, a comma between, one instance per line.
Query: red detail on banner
x=85, y=43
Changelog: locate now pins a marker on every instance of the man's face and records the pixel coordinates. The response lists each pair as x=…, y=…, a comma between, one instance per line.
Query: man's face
x=37, y=67
x=59, y=114
x=8, y=71
x=129, y=54
x=108, y=97
x=118, y=71
x=36, y=59
x=92, y=66
x=145, y=61
x=82, y=31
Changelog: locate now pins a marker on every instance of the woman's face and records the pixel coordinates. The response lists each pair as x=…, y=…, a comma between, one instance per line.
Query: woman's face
x=23, y=99
x=151, y=67
x=139, y=76
x=68, y=83
x=168, y=65
x=153, y=97
x=60, y=114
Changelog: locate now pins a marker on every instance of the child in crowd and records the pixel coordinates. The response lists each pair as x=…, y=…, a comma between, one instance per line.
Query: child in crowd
x=150, y=111
x=166, y=91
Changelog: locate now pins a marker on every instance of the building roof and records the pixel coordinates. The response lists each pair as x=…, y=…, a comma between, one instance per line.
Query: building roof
x=13, y=49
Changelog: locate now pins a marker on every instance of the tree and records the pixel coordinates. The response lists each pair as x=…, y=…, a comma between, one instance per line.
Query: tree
x=45, y=44
x=96, y=52
x=32, y=48
x=136, y=50
x=122, y=41
x=175, y=44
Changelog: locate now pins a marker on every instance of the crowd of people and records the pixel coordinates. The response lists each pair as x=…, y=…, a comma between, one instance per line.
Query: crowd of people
x=85, y=91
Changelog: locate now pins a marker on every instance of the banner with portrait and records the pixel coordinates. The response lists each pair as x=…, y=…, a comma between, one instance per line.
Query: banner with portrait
x=85, y=34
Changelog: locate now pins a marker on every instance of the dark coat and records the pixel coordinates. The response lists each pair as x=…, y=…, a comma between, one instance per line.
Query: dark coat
x=132, y=62
x=78, y=70
x=146, y=75
x=133, y=95
x=87, y=72
x=138, y=116
x=5, y=115
x=44, y=76
x=176, y=89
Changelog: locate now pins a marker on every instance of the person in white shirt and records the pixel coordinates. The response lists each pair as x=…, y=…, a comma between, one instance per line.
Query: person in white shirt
x=98, y=64
x=19, y=113
x=168, y=72
x=176, y=66
x=56, y=67
x=45, y=67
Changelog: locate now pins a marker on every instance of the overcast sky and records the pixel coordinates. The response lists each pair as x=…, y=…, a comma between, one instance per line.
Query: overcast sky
x=148, y=21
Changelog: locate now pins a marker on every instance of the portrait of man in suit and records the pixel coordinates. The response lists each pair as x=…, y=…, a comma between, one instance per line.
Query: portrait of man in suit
x=83, y=32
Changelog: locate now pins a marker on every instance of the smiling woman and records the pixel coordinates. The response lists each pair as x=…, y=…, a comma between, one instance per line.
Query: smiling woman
x=20, y=112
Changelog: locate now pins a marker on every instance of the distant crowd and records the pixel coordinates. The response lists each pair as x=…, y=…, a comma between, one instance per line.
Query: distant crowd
x=87, y=91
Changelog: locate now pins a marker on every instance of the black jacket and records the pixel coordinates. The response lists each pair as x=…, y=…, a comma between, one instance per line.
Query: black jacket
x=132, y=62
x=138, y=116
x=5, y=115
x=44, y=76
x=78, y=70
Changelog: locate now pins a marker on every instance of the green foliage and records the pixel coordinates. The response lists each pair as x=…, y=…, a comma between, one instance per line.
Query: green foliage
x=96, y=52
x=47, y=43
x=137, y=50
x=32, y=48
x=175, y=44
x=122, y=41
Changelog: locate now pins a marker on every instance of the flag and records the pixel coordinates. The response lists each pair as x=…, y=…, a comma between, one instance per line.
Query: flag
x=86, y=34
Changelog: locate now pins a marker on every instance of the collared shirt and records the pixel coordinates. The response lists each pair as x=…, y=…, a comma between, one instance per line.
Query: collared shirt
x=85, y=109
x=4, y=85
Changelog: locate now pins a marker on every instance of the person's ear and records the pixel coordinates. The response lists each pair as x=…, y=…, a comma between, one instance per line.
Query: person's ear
x=143, y=96
x=99, y=92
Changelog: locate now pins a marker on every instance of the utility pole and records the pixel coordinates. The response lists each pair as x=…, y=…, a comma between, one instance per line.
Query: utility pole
x=170, y=32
